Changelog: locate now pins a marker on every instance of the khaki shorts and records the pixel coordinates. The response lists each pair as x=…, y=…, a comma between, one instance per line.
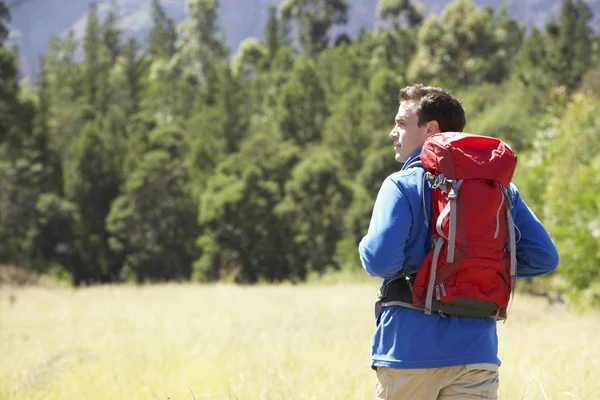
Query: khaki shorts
x=472, y=381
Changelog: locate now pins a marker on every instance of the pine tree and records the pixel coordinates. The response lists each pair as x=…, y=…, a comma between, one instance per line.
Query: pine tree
x=314, y=19
x=303, y=107
x=134, y=68
x=275, y=33
x=203, y=47
x=64, y=92
x=92, y=181
x=92, y=48
x=569, y=41
x=9, y=83
x=111, y=33
x=400, y=12
x=153, y=222
x=162, y=35
x=4, y=20
x=466, y=45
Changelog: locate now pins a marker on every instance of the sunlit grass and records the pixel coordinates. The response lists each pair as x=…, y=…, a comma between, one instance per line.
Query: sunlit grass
x=264, y=342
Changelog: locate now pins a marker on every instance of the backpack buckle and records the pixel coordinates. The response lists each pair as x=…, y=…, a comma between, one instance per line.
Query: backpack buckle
x=435, y=181
x=453, y=192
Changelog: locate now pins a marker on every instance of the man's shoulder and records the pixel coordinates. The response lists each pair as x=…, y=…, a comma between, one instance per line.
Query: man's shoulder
x=408, y=178
x=514, y=191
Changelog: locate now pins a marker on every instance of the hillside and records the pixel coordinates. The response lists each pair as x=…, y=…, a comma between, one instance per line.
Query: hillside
x=35, y=21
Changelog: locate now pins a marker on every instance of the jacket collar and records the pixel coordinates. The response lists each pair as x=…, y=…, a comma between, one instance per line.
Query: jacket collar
x=414, y=155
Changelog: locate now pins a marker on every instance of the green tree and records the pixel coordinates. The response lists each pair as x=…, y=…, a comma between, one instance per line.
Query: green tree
x=509, y=111
x=9, y=83
x=303, y=107
x=153, y=222
x=162, y=36
x=242, y=238
x=164, y=88
x=92, y=180
x=466, y=45
x=111, y=33
x=250, y=58
x=400, y=12
x=129, y=77
x=61, y=92
x=569, y=42
x=202, y=45
x=571, y=207
x=348, y=132
x=207, y=147
x=383, y=86
x=17, y=213
x=393, y=49
x=378, y=164
x=4, y=20
x=275, y=34
x=28, y=166
x=342, y=69
x=530, y=61
x=315, y=202
x=54, y=236
x=92, y=53
x=314, y=19
x=27, y=171
x=264, y=92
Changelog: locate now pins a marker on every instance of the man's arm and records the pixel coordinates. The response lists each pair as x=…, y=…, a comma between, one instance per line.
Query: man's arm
x=536, y=253
x=382, y=249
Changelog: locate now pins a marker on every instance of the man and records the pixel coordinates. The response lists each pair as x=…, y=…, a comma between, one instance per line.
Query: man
x=433, y=356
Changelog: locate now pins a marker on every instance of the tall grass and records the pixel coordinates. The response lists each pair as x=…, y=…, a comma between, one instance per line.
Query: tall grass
x=264, y=342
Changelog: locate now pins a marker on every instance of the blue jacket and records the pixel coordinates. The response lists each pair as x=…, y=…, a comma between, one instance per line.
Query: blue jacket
x=399, y=239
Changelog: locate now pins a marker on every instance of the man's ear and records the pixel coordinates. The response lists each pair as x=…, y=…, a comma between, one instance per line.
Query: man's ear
x=433, y=127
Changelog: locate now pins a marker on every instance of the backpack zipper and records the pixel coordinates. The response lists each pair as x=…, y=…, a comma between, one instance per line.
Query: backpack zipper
x=443, y=289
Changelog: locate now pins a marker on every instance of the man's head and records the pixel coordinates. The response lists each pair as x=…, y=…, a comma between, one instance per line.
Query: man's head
x=424, y=111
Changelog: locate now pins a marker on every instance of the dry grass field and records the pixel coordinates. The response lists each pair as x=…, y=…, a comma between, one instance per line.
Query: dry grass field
x=186, y=342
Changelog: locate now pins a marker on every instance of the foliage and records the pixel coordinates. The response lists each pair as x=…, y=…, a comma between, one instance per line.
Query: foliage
x=303, y=107
x=467, y=45
x=167, y=157
x=572, y=206
x=314, y=19
x=247, y=239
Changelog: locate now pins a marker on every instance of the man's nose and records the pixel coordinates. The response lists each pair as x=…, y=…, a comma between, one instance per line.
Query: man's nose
x=394, y=134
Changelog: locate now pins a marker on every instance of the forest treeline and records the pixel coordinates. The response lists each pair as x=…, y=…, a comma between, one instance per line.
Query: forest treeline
x=172, y=157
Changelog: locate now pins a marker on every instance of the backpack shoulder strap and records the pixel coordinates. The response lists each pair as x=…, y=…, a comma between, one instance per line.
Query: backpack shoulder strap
x=418, y=163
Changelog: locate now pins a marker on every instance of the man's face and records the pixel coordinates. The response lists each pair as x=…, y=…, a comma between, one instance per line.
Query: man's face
x=407, y=134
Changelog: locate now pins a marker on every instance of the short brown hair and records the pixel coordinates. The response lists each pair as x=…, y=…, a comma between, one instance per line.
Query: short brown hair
x=436, y=104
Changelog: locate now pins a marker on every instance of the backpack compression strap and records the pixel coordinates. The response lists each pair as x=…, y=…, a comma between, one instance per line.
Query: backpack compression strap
x=438, y=242
x=452, y=195
x=512, y=243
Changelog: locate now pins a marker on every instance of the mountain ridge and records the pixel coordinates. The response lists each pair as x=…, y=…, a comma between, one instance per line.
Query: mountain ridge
x=35, y=22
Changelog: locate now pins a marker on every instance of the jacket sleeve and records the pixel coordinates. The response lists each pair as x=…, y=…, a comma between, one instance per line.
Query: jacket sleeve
x=382, y=249
x=536, y=252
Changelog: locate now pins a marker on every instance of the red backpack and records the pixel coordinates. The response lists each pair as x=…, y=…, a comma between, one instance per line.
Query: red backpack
x=471, y=267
